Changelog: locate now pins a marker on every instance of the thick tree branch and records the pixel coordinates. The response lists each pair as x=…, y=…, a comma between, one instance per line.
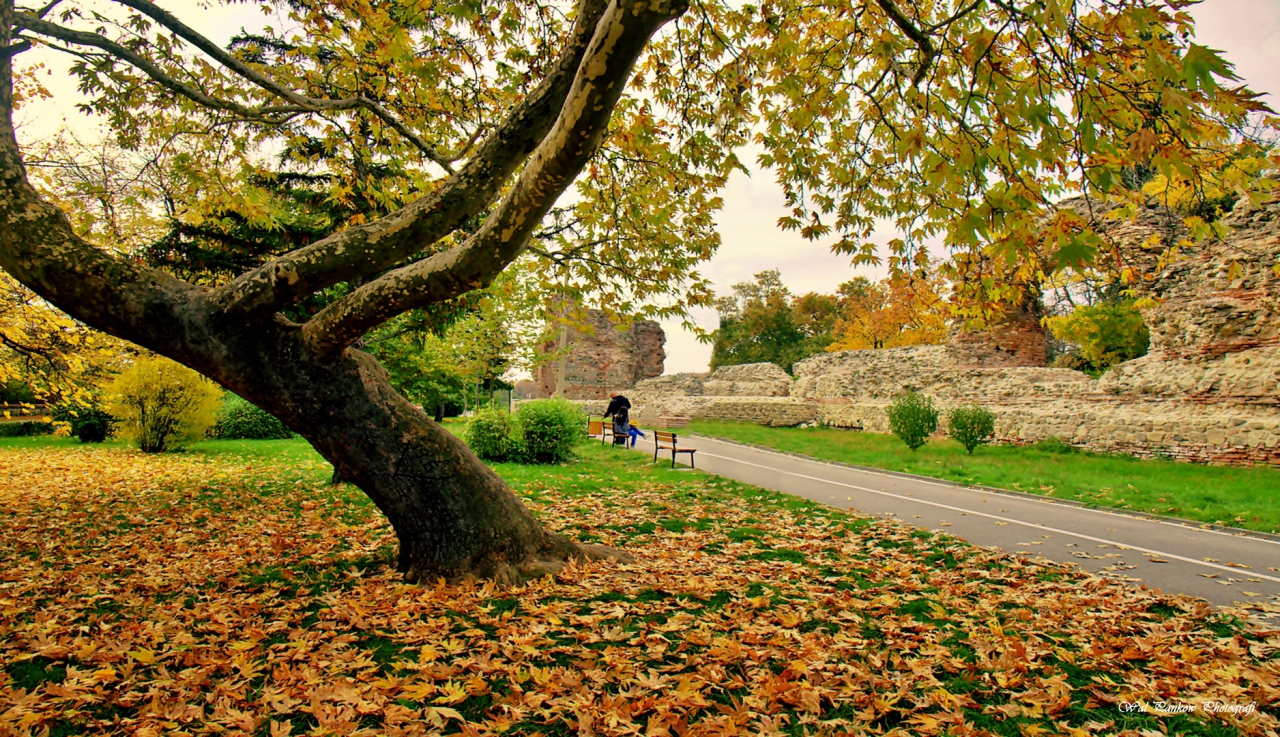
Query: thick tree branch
x=368, y=249
x=619, y=40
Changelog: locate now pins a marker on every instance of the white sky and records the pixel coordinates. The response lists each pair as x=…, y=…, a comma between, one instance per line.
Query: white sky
x=1248, y=30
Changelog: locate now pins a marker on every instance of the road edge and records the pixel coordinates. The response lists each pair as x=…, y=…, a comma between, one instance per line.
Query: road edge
x=1238, y=531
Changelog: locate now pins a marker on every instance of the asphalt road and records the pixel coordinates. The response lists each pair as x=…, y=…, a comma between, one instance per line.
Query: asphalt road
x=1222, y=567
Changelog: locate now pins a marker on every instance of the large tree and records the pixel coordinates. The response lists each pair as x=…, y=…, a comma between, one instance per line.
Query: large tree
x=960, y=117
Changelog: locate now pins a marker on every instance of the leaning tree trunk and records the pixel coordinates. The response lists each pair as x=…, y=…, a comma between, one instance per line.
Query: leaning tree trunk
x=454, y=517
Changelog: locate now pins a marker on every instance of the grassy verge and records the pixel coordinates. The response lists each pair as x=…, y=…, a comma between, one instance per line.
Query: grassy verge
x=1242, y=497
x=230, y=589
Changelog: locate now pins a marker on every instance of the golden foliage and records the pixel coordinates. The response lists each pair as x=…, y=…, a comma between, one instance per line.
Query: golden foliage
x=47, y=350
x=903, y=309
x=187, y=594
x=162, y=404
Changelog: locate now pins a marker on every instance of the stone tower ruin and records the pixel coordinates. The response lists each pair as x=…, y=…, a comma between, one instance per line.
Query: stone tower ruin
x=601, y=358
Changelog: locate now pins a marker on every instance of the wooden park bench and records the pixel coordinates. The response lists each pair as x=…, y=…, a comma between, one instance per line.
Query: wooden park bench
x=600, y=428
x=663, y=440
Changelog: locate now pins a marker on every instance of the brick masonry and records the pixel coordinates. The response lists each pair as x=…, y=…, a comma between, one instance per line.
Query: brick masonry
x=602, y=358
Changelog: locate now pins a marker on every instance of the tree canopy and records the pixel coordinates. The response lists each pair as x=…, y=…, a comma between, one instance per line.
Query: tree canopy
x=960, y=119
x=905, y=308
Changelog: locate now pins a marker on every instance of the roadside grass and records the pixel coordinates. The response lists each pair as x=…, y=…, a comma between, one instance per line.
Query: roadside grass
x=1240, y=497
x=229, y=588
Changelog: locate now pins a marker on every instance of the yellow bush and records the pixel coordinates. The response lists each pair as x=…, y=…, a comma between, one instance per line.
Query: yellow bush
x=162, y=404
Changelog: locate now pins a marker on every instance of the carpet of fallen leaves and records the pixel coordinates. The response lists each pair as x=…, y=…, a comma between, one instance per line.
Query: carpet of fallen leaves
x=185, y=594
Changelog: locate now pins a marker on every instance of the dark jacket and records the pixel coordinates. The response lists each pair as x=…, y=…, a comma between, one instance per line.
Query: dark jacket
x=618, y=403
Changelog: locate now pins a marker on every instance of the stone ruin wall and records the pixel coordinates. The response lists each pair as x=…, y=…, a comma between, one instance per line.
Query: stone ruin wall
x=1208, y=390
x=1017, y=339
x=602, y=358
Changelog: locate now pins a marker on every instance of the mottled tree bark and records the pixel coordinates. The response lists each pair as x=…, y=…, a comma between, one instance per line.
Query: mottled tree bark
x=453, y=516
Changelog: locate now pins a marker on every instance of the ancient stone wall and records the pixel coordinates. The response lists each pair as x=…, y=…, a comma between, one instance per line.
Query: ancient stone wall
x=1208, y=391
x=602, y=358
x=745, y=380
x=1225, y=297
x=1016, y=339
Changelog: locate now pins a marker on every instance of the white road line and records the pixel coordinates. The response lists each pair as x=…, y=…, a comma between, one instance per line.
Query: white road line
x=1034, y=525
x=1032, y=500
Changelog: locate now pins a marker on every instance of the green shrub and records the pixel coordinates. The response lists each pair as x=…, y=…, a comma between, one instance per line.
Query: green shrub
x=25, y=429
x=550, y=429
x=240, y=419
x=1053, y=445
x=971, y=426
x=913, y=418
x=89, y=422
x=162, y=404
x=492, y=434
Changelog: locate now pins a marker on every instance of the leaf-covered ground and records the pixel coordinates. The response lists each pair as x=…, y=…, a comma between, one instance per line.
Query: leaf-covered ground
x=213, y=592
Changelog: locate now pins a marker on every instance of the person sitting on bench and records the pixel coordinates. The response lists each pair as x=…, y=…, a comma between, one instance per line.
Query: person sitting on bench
x=619, y=407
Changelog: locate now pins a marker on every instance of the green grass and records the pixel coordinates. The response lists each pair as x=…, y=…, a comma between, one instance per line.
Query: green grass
x=608, y=468
x=49, y=441
x=1241, y=497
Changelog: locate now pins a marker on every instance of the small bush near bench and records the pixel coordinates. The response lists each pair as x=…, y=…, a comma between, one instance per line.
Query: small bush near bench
x=971, y=426
x=543, y=431
x=550, y=429
x=492, y=435
x=913, y=417
x=240, y=419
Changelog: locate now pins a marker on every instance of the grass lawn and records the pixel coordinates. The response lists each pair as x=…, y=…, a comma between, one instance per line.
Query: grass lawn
x=1241, y=497
x=229, y=589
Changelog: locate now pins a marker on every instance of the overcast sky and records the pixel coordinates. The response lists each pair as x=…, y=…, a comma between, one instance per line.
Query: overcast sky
x=1248, y=30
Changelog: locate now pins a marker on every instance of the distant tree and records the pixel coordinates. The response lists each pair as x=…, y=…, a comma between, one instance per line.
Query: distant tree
x=762, y=321
x=906, y=308
x=421, y=367
x=1107, y=333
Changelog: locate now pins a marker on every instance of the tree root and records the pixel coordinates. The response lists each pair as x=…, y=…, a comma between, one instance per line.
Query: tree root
x=503, y=572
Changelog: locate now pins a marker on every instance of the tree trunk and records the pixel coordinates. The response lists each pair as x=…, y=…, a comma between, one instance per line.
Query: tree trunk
x=454, y=517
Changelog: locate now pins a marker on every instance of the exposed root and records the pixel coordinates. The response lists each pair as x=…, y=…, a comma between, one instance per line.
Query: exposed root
x=504, y=572
x=604, y=552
